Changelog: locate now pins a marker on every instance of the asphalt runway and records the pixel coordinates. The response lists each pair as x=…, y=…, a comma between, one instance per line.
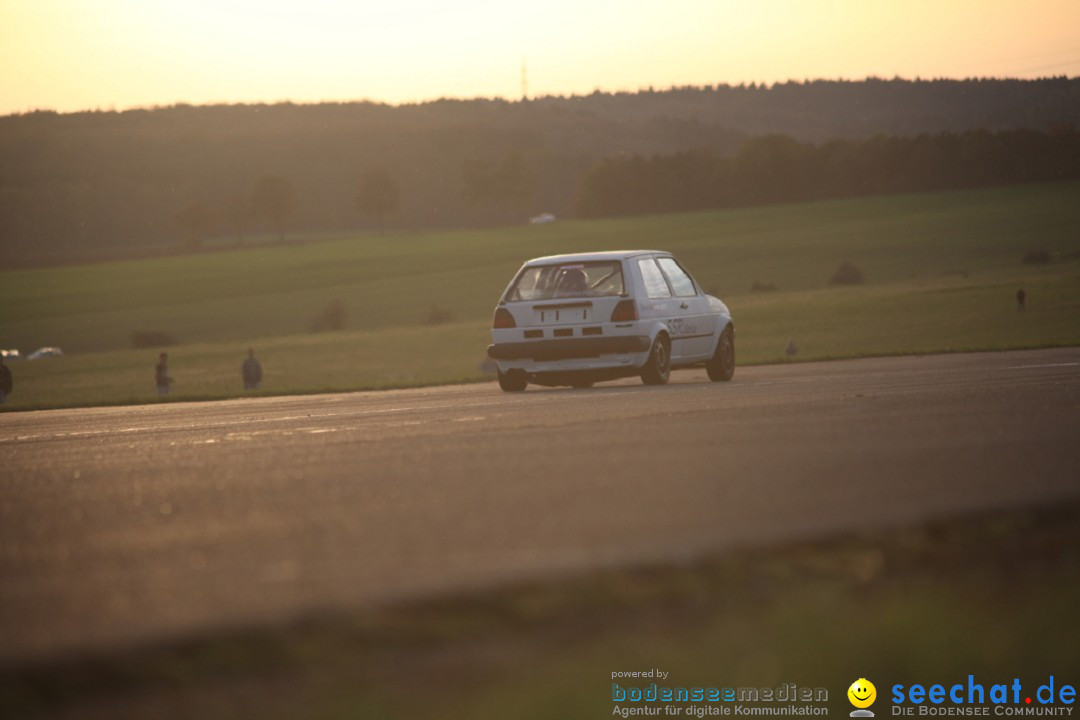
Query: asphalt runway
x=127, y=525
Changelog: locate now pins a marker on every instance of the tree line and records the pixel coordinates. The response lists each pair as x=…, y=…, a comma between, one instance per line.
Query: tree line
x=273, y=199
x=79, y=184
x=778, y=168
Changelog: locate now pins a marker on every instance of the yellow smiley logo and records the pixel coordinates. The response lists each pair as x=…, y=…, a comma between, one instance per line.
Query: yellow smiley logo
x=862, y=693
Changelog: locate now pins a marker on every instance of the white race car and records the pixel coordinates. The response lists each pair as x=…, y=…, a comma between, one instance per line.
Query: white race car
x=579, y=319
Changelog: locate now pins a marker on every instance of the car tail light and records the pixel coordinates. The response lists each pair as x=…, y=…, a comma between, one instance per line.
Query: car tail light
x=625, y=311
x=503, y=319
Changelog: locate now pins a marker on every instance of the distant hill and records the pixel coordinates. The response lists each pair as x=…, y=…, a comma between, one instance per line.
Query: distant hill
x=80, y=185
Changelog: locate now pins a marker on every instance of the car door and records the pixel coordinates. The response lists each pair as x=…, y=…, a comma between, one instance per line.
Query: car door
x=662, y=304
x=697, y=322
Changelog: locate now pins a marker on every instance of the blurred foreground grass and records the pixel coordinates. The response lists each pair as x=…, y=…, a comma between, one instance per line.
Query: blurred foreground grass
x=994, y=596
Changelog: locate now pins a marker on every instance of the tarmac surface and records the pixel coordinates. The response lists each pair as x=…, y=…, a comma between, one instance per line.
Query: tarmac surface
x=121, y=526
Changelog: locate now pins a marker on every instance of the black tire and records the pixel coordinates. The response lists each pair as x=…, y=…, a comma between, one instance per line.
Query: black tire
x=657, y=370
x=721, y=366
x=512, y=382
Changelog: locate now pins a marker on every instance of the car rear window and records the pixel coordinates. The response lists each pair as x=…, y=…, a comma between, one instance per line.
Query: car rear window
x=568, y=280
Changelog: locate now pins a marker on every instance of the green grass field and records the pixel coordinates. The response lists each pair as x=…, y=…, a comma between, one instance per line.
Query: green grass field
x=941, y=274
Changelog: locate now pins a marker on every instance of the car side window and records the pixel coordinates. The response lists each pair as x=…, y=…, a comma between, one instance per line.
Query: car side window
x=681, y=283
x=656, y=286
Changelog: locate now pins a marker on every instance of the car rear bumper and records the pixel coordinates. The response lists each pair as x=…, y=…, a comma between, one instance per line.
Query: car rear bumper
x=569, y=348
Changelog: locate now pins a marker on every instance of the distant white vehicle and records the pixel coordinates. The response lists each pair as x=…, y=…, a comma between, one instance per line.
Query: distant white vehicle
x=542, y=219
x=44, y=353
x=12, y=354
x=580, y=319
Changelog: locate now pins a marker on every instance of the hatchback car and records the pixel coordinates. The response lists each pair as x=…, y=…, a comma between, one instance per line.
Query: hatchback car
x=579, y=319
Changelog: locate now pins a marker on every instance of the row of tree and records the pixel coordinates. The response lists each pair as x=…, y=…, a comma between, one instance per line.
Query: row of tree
x=778, y=168
x=274, y=200
x=77, y=185
x=507, y=184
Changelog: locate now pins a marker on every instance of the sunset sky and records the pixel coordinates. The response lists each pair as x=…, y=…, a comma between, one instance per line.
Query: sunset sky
x=113, y=54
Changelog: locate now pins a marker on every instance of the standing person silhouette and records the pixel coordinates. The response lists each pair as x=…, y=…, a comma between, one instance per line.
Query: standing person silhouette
x=6, y=382
x=251, y=371
x=161, y=375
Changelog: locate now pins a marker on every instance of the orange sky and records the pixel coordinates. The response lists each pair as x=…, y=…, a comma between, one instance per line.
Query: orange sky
x=98, y=54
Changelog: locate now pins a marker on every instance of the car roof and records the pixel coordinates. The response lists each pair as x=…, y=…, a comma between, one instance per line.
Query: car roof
x=593, y=256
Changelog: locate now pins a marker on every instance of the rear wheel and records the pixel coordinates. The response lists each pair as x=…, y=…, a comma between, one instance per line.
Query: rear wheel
x=657, y=370
x=512, y=382
x=721, y=366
